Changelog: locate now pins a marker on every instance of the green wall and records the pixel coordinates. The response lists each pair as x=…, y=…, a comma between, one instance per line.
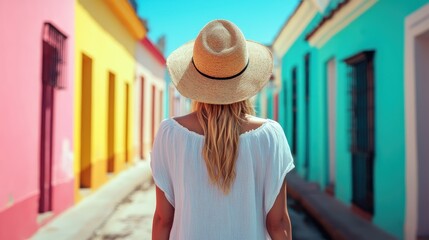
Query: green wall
x=381, y=28
x=270, y=105
x=295, y=58
x=257, y=104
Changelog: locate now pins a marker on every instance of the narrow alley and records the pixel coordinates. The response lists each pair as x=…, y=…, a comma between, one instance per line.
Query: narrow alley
x=87, y=85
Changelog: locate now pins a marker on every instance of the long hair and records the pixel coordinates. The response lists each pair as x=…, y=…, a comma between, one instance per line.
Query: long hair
x=221, y=125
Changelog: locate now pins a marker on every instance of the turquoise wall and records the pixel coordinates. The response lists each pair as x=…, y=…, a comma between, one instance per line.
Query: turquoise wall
x=270, y=105
x=381, y=28
x=371, y=31
x=257, y=105
x=295, y=58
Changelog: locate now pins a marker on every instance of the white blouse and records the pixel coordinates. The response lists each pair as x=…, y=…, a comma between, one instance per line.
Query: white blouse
x=202, y=211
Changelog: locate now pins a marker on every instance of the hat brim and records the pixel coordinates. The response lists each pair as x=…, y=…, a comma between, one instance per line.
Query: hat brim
x=190, y=83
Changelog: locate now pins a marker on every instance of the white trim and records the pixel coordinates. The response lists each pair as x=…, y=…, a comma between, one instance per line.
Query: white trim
x=294, y=27
x=340, y=20
x=415, y=24
x=321, y=4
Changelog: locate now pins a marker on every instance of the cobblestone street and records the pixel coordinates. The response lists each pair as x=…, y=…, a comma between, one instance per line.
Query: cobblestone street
x=132, y=220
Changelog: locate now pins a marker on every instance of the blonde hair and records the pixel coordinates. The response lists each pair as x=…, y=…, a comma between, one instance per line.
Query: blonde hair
x=221, y=125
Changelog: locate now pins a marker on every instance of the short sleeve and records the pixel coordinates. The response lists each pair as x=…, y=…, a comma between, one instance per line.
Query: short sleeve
x=279, y=164
x=159, y=162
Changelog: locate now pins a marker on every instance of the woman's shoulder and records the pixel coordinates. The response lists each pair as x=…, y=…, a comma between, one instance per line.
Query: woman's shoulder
x=256, y=122
x=182, y=124
x=189, y=122
x=254, y=126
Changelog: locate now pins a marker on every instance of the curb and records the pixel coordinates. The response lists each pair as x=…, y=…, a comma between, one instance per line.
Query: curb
x=83, y=219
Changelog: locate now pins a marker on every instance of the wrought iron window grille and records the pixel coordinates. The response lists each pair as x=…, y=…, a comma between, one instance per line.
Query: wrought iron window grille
x=54, y=57
x=361, y=109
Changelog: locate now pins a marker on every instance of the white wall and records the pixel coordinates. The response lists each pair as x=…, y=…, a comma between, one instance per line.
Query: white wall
x=153, y=73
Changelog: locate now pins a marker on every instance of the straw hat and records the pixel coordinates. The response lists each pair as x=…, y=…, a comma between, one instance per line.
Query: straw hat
x=220, y=66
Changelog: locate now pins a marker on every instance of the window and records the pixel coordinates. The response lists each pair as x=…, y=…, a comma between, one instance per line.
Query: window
x=361, y=89
x=53, y=57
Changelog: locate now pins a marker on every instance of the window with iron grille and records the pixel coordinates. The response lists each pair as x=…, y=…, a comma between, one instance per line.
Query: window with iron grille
x=294, y=110
x=54, y=48
x=361, y=90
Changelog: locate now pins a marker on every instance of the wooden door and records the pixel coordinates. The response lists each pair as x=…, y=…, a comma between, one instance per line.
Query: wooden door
x=49, y=79
x=45, y=200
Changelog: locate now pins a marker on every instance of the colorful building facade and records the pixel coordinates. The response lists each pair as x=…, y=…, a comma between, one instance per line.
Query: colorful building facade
x=71, y=104
x=266, y=102
x=36, y=105
x=106, y=36
x=149, y=92
x=343, y=79
x=175, y=103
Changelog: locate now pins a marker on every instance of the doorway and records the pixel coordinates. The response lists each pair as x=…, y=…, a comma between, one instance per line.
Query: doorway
x=332, y=123
x=153, y=114
x=86, y=118
x=307, y=115
x=127, y=115
x=142, y=109
x=111, y=124
x=161, y=106
x=416, y=117
x=53, y=58
x=422, y=118
x=362, y=147
x=294, y=111
x=45, y=200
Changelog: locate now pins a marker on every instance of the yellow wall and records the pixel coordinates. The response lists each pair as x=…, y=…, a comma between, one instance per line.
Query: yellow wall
x=101, y=36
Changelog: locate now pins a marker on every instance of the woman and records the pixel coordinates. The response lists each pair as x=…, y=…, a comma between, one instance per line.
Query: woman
x=219, y=171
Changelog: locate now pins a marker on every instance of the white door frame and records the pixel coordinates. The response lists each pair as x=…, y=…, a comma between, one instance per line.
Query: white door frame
x=415, y=24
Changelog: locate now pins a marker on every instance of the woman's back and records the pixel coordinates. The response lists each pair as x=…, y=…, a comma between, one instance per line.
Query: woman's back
x=219, y=173
x=201, y=209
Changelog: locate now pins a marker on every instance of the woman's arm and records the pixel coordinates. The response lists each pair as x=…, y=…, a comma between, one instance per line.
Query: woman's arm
x=163, y=218
x=278, y=222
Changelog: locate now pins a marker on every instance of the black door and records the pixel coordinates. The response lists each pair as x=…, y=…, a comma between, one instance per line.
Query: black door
x=361, y=73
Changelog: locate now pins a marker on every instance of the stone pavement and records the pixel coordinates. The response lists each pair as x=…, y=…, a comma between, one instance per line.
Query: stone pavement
x=132, y=219
x=335, y=217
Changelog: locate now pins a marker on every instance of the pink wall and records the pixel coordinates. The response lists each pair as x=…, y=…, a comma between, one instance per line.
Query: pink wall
x=21, y=24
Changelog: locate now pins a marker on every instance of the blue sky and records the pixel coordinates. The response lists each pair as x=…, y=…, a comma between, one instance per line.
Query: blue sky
x=181, y=20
